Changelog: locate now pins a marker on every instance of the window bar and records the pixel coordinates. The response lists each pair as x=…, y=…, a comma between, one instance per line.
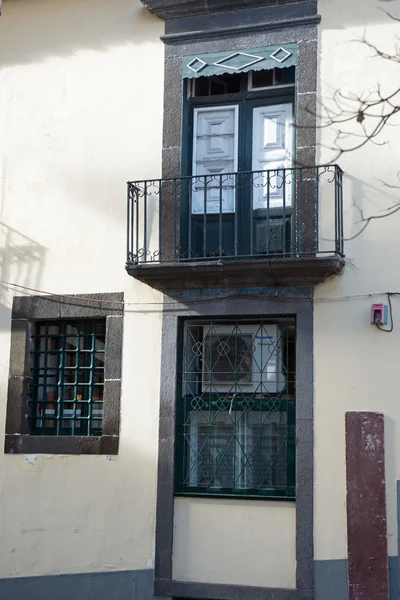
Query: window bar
x=145, y=222
x=33, y=399
x=284, y=211
x=210, y=432
x=91, y=381
x=184, y=425
x=129, y=247
x=137, y=224
x=192, y=184
x=60, y=391
x=205, y=218
x=251, y=184
x=268, y=232
x=235, y=213
x=317, y=209
x=300, y=211
x=77, y=349
x=246, y=461
x=46, y=351
x=174, y=183
x=220, y=215
x=261, y=444
x=286, y=394
x=234, y=407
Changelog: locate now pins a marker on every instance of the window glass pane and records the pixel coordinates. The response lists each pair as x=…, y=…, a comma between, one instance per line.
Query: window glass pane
x=287, y=75
x=262, y=79
x=99, y=359
x=217, y=85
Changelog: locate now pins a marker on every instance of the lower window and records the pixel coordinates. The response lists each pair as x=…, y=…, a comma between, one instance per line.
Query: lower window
x=235, y=423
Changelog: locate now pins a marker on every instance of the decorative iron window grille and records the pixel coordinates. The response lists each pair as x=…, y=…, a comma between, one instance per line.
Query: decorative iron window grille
x=235, y=423
x=66, y=395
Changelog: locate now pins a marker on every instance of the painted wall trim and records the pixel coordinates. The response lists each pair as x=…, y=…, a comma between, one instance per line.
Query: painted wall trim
x=330, y=584
x=291, y=302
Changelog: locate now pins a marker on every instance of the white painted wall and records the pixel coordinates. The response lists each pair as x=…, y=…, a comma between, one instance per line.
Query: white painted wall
x=81, y=85
x=244, y=542
x=81, y=113
x=356, y=366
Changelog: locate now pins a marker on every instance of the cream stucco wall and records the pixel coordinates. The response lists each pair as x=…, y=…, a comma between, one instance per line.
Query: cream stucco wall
x=355, y=364
x=80, y=114
x=235, y=541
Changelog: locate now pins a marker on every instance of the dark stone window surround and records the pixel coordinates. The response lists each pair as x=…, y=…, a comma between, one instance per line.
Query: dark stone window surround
x=258, y=24
x=305, y=93
x=269, y=302
x=25, y=312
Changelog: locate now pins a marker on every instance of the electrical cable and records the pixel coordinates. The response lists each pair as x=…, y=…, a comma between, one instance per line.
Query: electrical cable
x=204, y=299
x=391, y=318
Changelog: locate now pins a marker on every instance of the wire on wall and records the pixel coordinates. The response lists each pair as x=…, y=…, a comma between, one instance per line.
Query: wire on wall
x=391, y=317
x=186, y=300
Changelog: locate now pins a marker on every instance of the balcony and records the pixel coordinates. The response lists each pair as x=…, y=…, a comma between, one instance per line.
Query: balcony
x=274, y=227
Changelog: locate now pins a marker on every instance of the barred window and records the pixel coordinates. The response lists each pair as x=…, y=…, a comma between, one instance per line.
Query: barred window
x=66, y=396
x=235, y=428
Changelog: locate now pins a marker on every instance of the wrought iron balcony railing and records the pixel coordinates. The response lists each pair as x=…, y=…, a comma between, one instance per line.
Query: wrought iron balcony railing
x=274, y=213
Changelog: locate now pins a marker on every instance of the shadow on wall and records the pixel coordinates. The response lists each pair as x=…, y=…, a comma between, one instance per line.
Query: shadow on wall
x=365, y=200
x=32, y=31
x=21, y=262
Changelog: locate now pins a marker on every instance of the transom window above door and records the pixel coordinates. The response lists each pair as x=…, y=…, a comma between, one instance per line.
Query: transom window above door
x=253, y=81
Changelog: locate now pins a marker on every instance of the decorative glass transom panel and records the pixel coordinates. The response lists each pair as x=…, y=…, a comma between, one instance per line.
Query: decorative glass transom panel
x=67, y=387
x=235, y=429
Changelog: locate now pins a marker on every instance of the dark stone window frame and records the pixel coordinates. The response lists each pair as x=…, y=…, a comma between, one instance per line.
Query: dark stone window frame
x=238, y=26
x=26, y=311
x=305, y=93
x=269, y=303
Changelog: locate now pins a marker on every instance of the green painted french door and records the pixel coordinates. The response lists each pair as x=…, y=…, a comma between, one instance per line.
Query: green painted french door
x=240, y=196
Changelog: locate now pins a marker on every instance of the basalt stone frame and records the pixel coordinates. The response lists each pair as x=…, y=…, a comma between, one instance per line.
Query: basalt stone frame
x=197, y=28
x=26, y=311
x=274, y=302
x=234, y=31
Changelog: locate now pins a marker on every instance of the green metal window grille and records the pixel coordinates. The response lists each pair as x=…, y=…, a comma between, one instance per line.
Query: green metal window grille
x=235, y=419
x=66, y=395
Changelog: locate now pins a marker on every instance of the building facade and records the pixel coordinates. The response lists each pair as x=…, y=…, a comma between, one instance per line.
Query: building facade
x=196, y=400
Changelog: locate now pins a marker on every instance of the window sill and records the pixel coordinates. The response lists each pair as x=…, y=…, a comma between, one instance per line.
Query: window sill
x=39, y=444
x=278, y=495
